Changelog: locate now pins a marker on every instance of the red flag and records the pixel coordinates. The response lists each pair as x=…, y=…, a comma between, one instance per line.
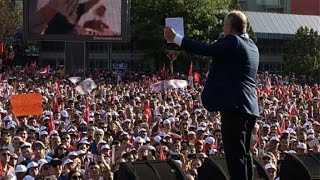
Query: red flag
x=26, y=69
x=55, y=104
x=1, y=170
x=33, y=67
x=57, y=89
x=1, y=48
x=207, y=66
x=154, y=79
x=51, y=124
x=197, y=77
x=45, y=70
x=191, y=69
x=132, y=140
x=283, y=125
x=279, y=131
x=163, y=72
x=316, y=89
x=292, y=110
x=204, y=149
x=147, y=111
x=86, y=113
x=278, y=90
x=162, y=156
x=309, y=95
x=267, y=86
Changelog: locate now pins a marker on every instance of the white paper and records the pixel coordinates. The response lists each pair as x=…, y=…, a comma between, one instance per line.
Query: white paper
x=176, y=24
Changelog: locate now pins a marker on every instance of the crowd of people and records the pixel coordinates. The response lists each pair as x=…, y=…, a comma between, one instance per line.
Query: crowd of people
x=88, y=136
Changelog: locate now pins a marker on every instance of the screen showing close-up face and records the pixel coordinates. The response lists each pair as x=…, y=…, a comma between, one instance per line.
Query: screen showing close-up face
x=76, y=19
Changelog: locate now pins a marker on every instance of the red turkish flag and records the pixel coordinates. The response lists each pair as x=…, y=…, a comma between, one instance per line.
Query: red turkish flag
x=51, y=124
x=197, y=77
x=162, y=156
x=191, y=69
x=147, y=111
x=86, y=113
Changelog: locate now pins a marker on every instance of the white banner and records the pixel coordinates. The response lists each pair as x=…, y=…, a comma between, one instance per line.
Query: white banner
x=169, y=84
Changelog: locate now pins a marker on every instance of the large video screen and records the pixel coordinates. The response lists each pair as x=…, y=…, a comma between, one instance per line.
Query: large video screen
x=76, y=20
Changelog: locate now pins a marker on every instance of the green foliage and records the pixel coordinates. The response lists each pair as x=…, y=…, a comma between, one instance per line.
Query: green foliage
x=303, y=55
x=10, y=19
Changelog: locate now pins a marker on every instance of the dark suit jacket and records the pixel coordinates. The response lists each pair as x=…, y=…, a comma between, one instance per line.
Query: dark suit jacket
x=231, y=81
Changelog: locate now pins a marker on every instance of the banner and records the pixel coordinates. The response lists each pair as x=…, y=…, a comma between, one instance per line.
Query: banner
x=169, y=84
x=26, y=104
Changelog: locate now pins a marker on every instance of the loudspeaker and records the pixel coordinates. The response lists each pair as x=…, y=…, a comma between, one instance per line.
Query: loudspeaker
x=300, y=167
x=150, y=170
x=216, y=168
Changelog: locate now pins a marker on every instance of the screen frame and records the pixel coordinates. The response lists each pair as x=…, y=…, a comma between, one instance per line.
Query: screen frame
x=125, y=25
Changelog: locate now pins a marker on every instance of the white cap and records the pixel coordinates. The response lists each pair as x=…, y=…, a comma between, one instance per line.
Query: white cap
x=157, y=139
x=142, y=130
x=270, y=166
x=48, y=113
x=80, y=152
x=28, y=177
x=167, y=121
x=292, y=152
x=147, y=139
x=64, y=113
x=10, y=126
x=203, y=124
x=162, y=134
x=53, y=132
x=285, y=132
x=102, y=142
x=212, y=151
x=83, y=141
x=275, y=139
x=201, y=129
x=71, y=130
x=21, y=168
x=26, y=144
x=73, y=153
x=139, y=139
x=7, y=118
x=191, y=133
x=41, y=163
x=291, y=131
x=266, y=126
x=210, y=140
x=42, y=128
x=127, y=120
x=67, y=162
x=302, y=146
x=106, y=146
x=32, y=165
x=310, y=131
x=43, y=133
x=41, y=143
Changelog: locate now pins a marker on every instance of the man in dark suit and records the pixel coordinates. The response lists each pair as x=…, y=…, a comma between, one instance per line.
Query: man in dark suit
x=230, y=88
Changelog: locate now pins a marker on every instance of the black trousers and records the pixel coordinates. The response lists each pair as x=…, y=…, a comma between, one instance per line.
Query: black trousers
x=236, y=130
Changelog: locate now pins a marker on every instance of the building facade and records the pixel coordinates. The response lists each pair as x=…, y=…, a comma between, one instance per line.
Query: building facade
x=272, y=6
x=306, y=7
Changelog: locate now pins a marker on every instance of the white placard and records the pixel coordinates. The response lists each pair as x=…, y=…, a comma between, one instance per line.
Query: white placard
x=176, y=24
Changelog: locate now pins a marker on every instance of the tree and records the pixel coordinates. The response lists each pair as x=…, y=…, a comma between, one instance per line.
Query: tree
x=10, y=19
x=201, y=21
x=303, y=54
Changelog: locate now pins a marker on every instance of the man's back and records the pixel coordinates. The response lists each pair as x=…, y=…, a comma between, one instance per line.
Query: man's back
x=231, y=81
